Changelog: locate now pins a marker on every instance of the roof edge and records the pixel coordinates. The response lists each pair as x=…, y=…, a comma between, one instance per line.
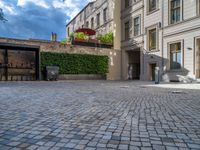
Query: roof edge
x=79, y=12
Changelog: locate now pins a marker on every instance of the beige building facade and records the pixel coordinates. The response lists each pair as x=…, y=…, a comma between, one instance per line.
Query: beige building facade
x=161, y=35
x=101, y=15
x=151, y=34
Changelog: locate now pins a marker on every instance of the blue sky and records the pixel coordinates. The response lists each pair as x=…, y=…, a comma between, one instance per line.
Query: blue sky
x=38, y=18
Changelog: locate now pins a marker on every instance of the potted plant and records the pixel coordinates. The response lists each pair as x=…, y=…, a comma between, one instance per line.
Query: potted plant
x=106, y=39
x=80, y=37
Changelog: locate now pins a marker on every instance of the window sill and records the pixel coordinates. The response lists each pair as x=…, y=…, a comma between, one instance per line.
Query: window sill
x=175, y=70
x=172, y=24
x=151, y=12
x=153, y=50
x=136, y=36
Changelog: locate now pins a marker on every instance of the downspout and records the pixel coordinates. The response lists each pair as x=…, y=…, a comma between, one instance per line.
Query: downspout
x=143, y=39
x=162, y=27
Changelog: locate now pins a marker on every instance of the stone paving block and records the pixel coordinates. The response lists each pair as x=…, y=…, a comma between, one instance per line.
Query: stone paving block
x=32, y=147
x=171, y=148
x=146, y=148
x=158, y=147
x=70, y=145
x=43, y=148
x=123, y=146
x=97, y=115
x=195, y=146
x=23, y=145
x=92, y=144
x=14, y=143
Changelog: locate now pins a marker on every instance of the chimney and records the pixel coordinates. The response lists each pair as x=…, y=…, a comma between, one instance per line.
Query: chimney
x=53, y=37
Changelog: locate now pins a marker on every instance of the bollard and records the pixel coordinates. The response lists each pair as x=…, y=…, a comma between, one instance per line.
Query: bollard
x=157, y=75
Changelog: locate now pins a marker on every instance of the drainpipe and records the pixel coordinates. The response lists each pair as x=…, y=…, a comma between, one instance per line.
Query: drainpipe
x=143, y=40
x=162, y=37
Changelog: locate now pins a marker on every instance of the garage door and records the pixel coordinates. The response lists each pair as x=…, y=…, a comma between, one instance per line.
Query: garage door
x=18, y=64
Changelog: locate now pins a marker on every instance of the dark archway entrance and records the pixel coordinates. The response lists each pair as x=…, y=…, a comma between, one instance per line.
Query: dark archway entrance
x=19, y=62
x=134, y=64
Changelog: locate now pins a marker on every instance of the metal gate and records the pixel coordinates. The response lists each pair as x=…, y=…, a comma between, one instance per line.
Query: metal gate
x=18, y=63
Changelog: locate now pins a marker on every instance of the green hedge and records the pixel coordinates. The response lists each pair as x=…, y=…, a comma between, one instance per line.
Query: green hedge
x=75, y=63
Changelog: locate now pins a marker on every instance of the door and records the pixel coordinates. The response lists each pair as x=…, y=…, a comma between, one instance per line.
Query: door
x=134, y=64
x=136, y=71
x=152, y=71
x=16, y=65
x=21, y=65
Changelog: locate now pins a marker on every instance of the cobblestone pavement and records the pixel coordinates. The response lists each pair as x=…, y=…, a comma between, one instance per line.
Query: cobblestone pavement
x=97, y=115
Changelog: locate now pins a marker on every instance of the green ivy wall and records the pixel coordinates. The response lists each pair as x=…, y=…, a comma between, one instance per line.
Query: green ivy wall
x=75, y=63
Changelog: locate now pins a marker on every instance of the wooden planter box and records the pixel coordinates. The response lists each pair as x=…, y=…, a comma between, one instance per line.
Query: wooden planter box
x=91, y=43
x=79, y=40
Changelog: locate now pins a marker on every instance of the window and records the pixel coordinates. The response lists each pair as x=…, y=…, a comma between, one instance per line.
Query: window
x=98, y=19
x=92, y=23
x=152, y=5
x=137, y=26
x=127, y=30
x=105, y=15
x=175, y=56
x=175, y=12
x=152, y=39
x=81, y=17
x=127, y=3
x=68, y=31
x=87, y=24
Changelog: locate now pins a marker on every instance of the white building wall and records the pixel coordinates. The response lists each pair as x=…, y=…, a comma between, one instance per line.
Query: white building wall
x=91, y=11
x=184, y=31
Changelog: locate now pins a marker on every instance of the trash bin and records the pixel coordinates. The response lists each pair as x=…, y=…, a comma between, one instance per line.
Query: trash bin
x=157, y=75
x=52, y=73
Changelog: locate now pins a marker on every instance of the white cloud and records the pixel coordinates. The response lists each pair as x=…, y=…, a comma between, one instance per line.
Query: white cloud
x=8, y=9
x=32, y=19
x=41, y=3
x=69, y=7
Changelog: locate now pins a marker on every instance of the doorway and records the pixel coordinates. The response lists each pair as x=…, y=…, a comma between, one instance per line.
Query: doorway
x=134, y=65
x=198, y=59
x=152, y=68
x=19, y=63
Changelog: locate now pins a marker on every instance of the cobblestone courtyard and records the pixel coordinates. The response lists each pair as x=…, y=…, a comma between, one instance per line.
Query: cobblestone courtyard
x=98, y=115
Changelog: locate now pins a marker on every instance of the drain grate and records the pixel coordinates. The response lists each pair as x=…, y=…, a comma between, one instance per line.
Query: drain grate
x=178, y=92
x=124, y=87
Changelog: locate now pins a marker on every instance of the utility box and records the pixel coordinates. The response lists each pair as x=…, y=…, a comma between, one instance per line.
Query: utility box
x=52, y=73
x=157, y=75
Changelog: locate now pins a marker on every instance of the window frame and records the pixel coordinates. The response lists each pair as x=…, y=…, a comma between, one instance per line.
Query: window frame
x=92, y=22
x=148, y=7
x=87, y=24
x=98, y=19
x=182, y=54
x=170, y=12
x=68, y=31
x=198, y=7
x=127, y=30
x=105, y=10
x=126, y=3
x=157, y=38
x=80, y=17
x=139, y=30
